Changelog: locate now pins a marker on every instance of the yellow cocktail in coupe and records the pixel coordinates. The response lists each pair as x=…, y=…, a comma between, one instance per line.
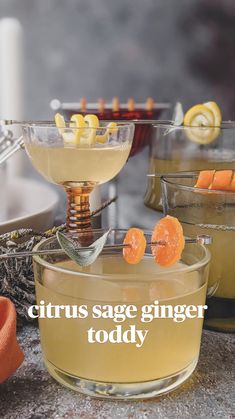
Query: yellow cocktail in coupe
x=64, y=165
x=78, y=155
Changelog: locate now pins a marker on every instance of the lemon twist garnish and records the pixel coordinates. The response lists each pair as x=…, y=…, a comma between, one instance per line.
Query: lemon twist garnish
x=60, y=122
x=216, y=112
x=110, y=129
x=63, y=130
x=207, y=117
x=82, y=130
x=77, y=121
x=89, y=135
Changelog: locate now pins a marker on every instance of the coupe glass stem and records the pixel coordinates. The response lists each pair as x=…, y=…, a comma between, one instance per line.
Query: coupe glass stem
x=78, y=211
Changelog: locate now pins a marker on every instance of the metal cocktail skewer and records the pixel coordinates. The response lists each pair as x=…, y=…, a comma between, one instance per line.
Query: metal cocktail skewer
x=9, y=146
x=173, y=175
x=11, y=149
x=136, y=121
x=201, y=239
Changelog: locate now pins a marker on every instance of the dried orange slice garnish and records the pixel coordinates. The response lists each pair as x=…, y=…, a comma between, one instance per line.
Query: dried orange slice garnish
x=205, y=178
x=168, y=231
x=221, y=180
x=207, y=117
x=137, y=244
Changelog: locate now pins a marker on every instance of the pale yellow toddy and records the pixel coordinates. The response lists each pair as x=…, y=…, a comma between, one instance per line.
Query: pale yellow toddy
x=169, y=347
x=222, y=266
x=62, y=165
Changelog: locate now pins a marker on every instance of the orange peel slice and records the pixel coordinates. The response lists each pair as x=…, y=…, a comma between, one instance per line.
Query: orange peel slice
x=168, y=231
x=222, y=180
x=204, y=179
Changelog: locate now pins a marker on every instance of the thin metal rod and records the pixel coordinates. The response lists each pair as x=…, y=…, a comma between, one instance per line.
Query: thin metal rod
x=174, y=175
x=135, y=121
x=202, y=239
x=18, y=145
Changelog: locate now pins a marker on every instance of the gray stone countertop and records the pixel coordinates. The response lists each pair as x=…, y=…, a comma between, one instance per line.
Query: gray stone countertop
x=209, y=393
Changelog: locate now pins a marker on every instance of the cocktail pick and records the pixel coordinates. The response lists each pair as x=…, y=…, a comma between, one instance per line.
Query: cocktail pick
x=181, y=175
x=11, y=149
x=201, y=239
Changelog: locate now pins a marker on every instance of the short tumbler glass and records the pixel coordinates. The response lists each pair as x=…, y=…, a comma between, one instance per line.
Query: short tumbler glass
x=212, y=213
x=121, y=370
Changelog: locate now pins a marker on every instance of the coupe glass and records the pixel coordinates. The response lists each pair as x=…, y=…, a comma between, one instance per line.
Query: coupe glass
x=183, y=148
x=78, y=168
x=120, y=370
x=141, y=114
x=212, y=213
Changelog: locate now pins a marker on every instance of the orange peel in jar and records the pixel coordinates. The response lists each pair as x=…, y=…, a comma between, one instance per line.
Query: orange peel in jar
x=168, y=231
x=204, y=179
x=207, y=118
x=221, y=180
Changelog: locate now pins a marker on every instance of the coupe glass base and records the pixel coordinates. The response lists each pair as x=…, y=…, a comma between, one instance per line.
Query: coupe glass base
x=121, y=391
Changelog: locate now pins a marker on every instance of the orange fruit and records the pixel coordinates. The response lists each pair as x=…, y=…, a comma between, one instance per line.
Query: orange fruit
x=137, y=244
x=168, y=231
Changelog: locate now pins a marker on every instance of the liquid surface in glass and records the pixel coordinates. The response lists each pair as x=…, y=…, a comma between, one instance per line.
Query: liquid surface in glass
x=62, y=165
x=169, y=346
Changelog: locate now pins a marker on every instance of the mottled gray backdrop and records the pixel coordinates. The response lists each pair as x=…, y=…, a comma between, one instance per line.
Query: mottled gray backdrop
x=169, y=49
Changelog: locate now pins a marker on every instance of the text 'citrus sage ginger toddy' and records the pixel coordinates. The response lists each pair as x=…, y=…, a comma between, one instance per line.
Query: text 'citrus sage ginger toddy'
x=104, y=352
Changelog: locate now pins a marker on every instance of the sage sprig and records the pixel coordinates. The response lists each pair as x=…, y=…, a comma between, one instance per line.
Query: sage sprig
x=86, y=256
